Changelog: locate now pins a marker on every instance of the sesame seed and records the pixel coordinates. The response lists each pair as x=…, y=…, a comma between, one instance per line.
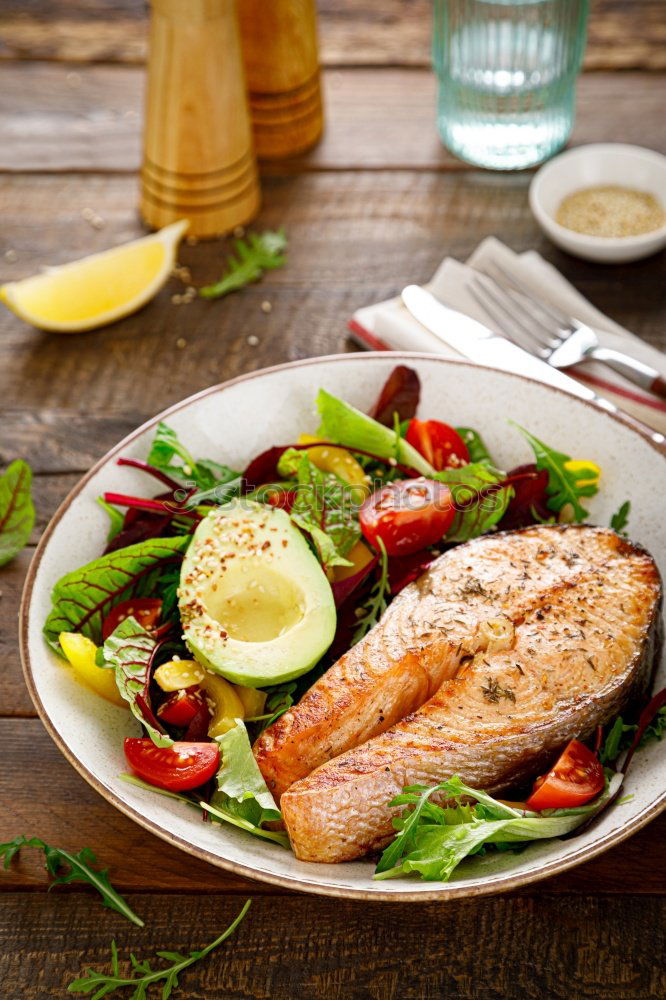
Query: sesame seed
x=11, y=256
x=252, y=340
x=181, y=343
x=266, y=306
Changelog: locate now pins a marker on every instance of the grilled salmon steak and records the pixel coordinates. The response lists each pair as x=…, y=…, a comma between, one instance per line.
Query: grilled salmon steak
x=505, y=649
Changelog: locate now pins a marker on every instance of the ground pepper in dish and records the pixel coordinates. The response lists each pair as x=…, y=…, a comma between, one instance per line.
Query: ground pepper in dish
x=610, y=210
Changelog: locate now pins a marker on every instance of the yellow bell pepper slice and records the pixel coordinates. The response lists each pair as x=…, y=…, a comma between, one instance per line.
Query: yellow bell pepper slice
x=330, y=458
x=178, y=674
x=253, y=701
x=81, y=652
x=359, y=557
x=227, y=705
x=584, y=467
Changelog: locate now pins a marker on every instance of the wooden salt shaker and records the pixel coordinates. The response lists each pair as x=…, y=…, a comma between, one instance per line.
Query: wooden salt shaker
x=279, y=41
x=198, y=161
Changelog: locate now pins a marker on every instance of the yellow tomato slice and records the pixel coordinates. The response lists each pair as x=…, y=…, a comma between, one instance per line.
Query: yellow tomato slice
x=253, y=701
x=330, y=458
x=81, y=652
x=227, y=705
x=178, y=674
x=359, y=557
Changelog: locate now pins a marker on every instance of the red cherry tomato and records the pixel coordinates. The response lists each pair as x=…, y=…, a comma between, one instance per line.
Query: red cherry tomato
x=180, y=707
x=176, y=768
x=439, y=444
x=576, y=778
x=146, y=610
x=407, y=515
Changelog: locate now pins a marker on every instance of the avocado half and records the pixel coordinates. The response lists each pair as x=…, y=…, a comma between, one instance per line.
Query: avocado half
x=255, y=604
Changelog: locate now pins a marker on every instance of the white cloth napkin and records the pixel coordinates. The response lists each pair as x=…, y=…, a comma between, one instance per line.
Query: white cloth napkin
x=391, y=324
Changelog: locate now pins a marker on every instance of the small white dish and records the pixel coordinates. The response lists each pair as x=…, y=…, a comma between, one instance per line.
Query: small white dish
x=589, y=166
x=234, y=421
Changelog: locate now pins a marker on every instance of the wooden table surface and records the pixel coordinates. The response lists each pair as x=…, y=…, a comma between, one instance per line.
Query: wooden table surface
x=375, y=206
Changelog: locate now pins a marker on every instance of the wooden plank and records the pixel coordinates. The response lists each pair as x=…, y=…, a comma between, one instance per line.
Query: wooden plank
x=58, y=119
x=514, y=948
x=354, y=239
x=141, y=862
x=622, y=34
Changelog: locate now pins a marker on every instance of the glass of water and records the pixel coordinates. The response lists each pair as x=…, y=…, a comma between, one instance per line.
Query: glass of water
x=507, y=77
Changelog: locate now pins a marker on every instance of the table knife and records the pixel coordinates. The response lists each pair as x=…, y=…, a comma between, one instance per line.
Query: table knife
x=478, y=343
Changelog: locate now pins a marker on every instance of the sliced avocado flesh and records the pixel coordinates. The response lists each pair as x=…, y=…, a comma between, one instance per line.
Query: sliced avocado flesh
x=255, y=604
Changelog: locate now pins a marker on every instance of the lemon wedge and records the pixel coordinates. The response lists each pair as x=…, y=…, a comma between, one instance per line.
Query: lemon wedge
x=99, y=289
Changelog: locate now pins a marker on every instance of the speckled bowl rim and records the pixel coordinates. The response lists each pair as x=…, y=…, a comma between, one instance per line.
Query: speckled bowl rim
x=446, y=890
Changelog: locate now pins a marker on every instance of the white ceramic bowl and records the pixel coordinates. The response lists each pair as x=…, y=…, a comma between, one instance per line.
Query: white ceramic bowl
x=235, y=421
x=589, y=166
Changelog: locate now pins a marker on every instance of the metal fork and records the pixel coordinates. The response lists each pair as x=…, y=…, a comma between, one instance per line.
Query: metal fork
x=550, y=334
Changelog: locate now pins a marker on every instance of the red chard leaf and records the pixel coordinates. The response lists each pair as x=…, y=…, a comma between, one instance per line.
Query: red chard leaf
x=400, y=395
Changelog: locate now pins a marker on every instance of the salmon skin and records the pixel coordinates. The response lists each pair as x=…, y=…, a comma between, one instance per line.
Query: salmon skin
x=505, y=649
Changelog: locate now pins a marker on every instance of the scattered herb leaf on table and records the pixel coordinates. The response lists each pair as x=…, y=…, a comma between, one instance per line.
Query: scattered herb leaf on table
x=257, y=253
x=65, y=867
x=145, y=976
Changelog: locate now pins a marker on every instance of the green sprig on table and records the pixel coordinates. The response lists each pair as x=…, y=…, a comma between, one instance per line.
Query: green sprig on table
x=258, y=253
x=105, y=984
x=64, y=867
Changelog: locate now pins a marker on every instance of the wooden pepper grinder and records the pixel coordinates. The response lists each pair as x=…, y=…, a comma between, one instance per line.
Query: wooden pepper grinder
x=279, y=40
x=198, y=161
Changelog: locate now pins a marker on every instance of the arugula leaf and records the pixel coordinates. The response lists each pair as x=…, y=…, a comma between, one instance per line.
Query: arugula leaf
x=432, y=840
x=620, y=518
x=64, y=867
x=476, y=446
x=128, y=651
x=324, y=507
x=17, y=512
x=377, y=602
x=83, y=598
x=258, y=253
x=212, y=480
x=279, y=700
x=620, y=736
x=345, y=425
x=106, y=984
x=564, y=485
x=475, y=514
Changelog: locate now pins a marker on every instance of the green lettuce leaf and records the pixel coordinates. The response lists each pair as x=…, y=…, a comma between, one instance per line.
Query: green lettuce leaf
x=345, y=425
x=83, y=598
x=432, y=840
x=242, y=797
x=17, y=513
x=324, y=507
x=128, y=651
x=474, y=514
x=564, y=485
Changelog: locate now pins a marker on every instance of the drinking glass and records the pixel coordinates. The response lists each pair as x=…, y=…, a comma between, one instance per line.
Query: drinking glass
x=507, y=77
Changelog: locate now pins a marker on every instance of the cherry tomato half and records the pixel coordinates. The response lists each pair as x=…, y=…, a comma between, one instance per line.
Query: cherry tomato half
x=146, y=610
x=180, y=707
x=176, y=768
x=407, y=515
x=576, y=778
x=440, y=444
